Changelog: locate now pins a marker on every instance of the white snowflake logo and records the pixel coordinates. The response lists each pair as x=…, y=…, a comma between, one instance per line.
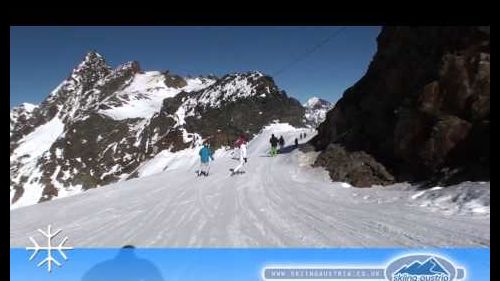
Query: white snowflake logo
x=49, y=248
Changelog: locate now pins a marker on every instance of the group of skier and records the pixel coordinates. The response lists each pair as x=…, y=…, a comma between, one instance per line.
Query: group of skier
x=206, y=153
x=206, y=156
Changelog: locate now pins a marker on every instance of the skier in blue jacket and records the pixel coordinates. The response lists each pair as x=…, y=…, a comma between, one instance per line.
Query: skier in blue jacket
x=206, y=155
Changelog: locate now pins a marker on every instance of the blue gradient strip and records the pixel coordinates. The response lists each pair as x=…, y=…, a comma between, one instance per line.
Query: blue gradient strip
x=220, y=264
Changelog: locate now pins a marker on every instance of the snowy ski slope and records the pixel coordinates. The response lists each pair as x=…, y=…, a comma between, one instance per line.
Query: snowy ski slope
x=278, y=202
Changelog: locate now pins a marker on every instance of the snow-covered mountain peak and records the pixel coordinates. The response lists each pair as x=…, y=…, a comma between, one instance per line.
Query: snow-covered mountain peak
x=236, y=86
x=20, y=112
x=83, y=77
x=311, y=101
x=28, y=106
x=247, y=74
x=316, y=102
x=134, y=65
x=316, y=109
x=93, y=54
x=99, y=125
x=93, y=64
x=144, y=92
x=24, y=108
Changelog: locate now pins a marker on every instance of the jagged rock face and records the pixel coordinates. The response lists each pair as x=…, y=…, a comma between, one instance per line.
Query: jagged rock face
x=422, y=108
x=315, y=111
x=20, y=115
x=101, y=124
x=64, y=97
x=213, y=112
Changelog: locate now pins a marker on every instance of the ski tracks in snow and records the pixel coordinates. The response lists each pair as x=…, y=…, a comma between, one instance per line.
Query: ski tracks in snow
x=277, y=203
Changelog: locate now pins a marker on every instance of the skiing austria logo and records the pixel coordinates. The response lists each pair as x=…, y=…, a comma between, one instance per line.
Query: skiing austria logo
x=418, y=267
x=423, y=268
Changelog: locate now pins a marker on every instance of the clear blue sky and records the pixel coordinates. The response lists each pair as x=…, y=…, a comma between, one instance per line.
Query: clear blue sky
x=42, y=57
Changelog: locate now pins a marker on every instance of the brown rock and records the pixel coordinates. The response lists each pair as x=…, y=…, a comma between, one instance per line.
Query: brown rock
x=356, y=168
x=422, y=107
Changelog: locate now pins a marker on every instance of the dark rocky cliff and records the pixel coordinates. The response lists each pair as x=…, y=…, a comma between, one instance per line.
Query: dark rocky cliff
x=421, y=111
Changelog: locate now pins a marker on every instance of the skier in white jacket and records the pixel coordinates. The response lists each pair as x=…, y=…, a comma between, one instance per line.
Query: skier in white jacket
x=242, y=144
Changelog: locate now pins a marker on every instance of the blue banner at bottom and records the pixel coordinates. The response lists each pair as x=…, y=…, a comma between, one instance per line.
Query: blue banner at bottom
x=205, y=264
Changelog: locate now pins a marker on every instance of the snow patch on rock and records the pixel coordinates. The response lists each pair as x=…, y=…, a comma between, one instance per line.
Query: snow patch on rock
x=40, y=140
x=144, y=96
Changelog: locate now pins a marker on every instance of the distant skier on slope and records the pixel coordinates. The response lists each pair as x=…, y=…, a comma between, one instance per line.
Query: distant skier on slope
x=206, y=155
x=296, y=143
x=241, y=143
x=274, y=144
x=282, y=143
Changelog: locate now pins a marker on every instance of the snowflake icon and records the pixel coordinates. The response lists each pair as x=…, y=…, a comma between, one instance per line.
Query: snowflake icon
x=49, y=248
